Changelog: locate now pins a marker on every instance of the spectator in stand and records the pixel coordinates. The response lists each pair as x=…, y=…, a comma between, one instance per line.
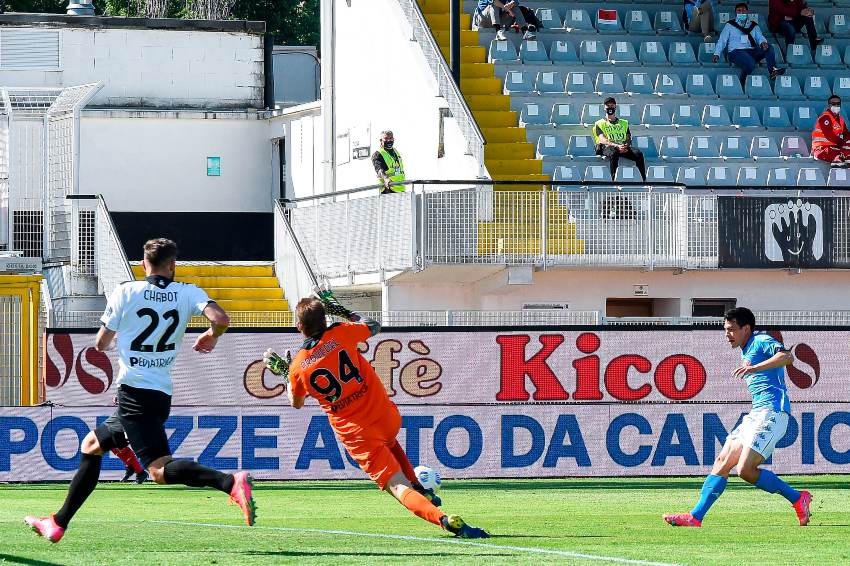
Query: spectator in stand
x=787, y=17
x=831, y=138
x=698, y=16
x=502, y=15
x=746, y=45
x=614, y=140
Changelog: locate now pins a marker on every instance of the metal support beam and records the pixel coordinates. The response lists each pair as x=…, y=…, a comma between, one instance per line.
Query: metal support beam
x=454, y=39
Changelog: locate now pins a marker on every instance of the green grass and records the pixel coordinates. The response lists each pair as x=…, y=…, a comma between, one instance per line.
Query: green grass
x=602, y=517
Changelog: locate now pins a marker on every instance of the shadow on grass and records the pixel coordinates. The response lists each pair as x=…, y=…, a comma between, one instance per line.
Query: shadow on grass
x=11, y=559
x=406, y=554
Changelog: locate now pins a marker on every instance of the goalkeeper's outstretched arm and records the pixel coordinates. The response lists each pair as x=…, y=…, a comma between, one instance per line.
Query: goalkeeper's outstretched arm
x=334, y=308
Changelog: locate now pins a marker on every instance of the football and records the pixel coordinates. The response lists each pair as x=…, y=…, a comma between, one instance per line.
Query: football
x=428, y=477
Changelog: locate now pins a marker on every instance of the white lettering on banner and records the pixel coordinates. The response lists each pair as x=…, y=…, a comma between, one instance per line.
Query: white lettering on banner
x=41, y=443
x=434, y=367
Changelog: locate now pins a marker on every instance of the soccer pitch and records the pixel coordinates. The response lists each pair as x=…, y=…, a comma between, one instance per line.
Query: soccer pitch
x=570, y=521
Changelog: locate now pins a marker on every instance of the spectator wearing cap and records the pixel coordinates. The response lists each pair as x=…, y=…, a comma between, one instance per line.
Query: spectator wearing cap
x=698, y=16
x=746, y=45
x=788, y=17
x=831, y=138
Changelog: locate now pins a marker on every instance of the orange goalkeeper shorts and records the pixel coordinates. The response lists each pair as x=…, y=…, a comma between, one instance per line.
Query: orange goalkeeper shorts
x=371, y=447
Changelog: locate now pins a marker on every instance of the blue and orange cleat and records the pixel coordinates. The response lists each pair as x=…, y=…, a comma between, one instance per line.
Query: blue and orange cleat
x=45, y=527
x=458, y=527
x=802, y=508
x=682, y=520
x=240, y=494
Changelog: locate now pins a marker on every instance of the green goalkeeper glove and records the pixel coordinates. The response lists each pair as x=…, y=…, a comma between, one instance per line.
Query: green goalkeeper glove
x=333, y=306
x=277, y=365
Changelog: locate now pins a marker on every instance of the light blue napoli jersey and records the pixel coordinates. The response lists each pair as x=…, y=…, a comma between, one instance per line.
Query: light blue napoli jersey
x=767, y=386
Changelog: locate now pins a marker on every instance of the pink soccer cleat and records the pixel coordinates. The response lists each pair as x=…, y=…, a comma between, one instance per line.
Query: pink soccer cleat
x=682, y=520
x=240, y=494
x=45, y=527
x=802, y=508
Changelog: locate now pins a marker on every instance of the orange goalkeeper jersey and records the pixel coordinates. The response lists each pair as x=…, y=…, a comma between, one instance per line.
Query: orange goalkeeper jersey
x=335, y=372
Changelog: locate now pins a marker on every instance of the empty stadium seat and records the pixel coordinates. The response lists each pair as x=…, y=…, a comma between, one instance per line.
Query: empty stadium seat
x=764, y=147
x=746, y=117
x=810, y=177
x=590, y=113
x=531, y=113
x=639, y=83
x=706, y=55
x=787, y=87
x=816, y=87
x=686, y=115
x=682, y=53
x=776, y=117
x=838, y=178
x=805, y=117
x=729, y=86
x=581, y=146
x=549, y=81
x=608, y=21
x=637, y=21
x=704, y=146
x=691, y=175
x=609, y=83
x=629, y=112
x=752, y=175
x=647, y=146
x=656, y=115
x=757, y=86
x=841, y=87
x=550, y=145
x=578, y=20
x=518, y=81
x=533, y=51
x=652, y=53
x=563, y=52
x=592, y=51
x=668, y=84
x=502, y=51
x=549, y=18
x=564, y=115
x=622, y=52
x=794, y=146
x=838, y=25
x=667, y=21
x=597, y=173
x=720, y=176
x=578, y=82
x=715, y=115
x=567, y=173
x=827, y=56
x=799, y=55
x=673, y=147
x=627, y=173
x=659, y=174
x=698, y=84
x=782, y=176
x=734, y=147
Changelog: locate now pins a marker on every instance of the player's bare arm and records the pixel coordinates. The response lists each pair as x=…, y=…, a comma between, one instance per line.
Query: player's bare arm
x=219, y=321
x=778, y=360
x=104, y=338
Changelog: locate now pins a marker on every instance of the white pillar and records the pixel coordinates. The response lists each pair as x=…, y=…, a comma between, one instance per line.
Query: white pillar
x=328, y=43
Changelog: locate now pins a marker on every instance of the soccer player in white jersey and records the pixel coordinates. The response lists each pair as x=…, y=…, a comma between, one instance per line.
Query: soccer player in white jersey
x=149, y=318
x=752, y=442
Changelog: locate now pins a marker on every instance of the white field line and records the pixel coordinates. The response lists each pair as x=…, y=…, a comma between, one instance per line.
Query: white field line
x=455, y=541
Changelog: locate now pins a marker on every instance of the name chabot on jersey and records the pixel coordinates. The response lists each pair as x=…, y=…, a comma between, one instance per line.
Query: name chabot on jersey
x=155, y=363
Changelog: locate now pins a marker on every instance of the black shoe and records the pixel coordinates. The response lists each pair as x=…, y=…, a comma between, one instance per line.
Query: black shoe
x=775, y=72
x=141, y=477
x=128, y=473
x=458, y=527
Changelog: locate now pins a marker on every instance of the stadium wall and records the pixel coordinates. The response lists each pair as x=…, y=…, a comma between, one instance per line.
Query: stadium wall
x=535, y=403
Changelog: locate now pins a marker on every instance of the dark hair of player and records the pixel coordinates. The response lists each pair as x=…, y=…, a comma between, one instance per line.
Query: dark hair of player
x=742, y=317
x=160, y=251
x=311, y=315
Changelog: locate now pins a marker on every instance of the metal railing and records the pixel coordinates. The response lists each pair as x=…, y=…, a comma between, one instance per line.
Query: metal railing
x=446, y=85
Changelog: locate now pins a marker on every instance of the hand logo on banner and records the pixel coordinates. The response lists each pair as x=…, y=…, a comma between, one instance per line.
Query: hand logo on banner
x=55, y=377
x=803, y=353
x=794, y=236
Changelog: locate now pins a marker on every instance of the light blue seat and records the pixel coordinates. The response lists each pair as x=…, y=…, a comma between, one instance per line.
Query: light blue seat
x=838, y=25
x=549, y=17
x=764, y=147
x=637, y=21
x=704, y=147
x=608, y=82
x=838, y=178
x=590, y=113
x=775, y=117
x=847, y=53
x=722, y=15
x=531, y=113
x=639, y=83
x=706, y=55
x=563, y=52
x=686, y=115
x=569, y=173
x=746, y=117
x=734, y=147
x=758, y=87
x=794, y=147
x=502, y=51
x=564, y=114
x=799, y=55
x=578, y=82
x=627, y=174
x=668, y=84
x=629, y=112
x=810, y=177
x=608, y=25
x=647, y=145
x=720, y=176
x=551, y=145
x=533, y=51
x=592, y=51
x=656, y=115
x=659, y=174
x=652, y=53
x=805, y=116
x=673, y=147
x=667, y=22
x=691, y=175
x=816, y=87
x=729, y=86
x=549, y=81
x=622, y=52
x=598, y=173
x=785, y=176
x=577, y=20
x=715, y=115
x=827, y=55
x=518, y=81
x=581, y=146
x=752, y=176
x=787, y=87
x=682, y=53
x=698, y=84
x=841, y=87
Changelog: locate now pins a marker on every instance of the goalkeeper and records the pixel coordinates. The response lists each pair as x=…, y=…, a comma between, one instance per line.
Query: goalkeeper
x=330, y=368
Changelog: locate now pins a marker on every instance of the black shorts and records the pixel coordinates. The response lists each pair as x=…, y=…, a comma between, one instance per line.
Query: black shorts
x=110, y=434
x=142, y=414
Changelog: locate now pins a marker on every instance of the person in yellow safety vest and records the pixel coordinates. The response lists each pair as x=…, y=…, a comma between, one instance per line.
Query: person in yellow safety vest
x=388, y=164
x=614, y=140
x=830, y=137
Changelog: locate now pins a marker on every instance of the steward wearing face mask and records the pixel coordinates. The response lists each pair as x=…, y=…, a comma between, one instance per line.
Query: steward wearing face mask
x=746, y=45
x=388, y=165
x=831, y=138
x=614, y=140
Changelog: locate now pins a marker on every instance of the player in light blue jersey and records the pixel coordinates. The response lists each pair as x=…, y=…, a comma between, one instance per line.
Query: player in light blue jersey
x=752, y=442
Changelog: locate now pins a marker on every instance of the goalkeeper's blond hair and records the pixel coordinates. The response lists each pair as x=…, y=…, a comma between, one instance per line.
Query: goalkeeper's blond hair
x=311, y=316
